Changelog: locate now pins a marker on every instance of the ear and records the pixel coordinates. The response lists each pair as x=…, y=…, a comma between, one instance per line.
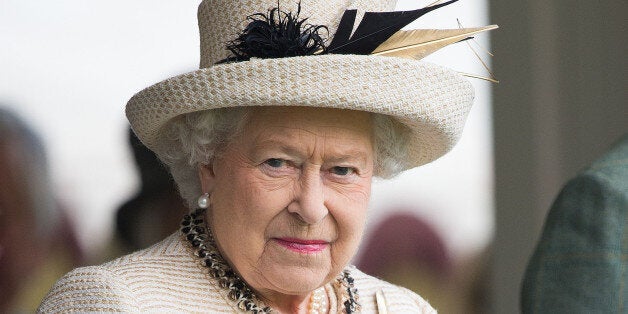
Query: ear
x=207, y=177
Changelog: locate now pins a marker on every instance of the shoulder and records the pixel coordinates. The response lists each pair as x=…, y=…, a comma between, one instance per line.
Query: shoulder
x=596, y=198
x=89, y=289
x=583, y=232
x=397, y=299
x=164, y=277
x=109, y=287
x=608, y=175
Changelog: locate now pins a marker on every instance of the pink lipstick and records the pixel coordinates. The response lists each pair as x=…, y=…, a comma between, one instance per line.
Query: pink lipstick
x=303, y=246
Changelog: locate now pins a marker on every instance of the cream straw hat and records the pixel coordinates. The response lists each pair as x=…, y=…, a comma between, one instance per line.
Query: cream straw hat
x=431, y=101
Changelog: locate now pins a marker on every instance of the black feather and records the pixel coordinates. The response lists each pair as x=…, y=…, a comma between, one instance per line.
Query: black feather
x=374, y=29
x=277, y=34
x=345, y=27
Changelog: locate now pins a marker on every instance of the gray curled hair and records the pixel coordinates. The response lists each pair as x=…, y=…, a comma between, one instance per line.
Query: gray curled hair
x=194, y=139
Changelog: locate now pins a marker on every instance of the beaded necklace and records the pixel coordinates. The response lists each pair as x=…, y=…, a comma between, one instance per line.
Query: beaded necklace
x=203, y=243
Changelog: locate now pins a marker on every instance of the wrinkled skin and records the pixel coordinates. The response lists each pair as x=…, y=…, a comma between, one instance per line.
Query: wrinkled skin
x=289, y=198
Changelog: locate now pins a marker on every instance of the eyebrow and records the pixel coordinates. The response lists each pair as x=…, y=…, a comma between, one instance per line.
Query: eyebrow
x=281, y=146
x=352, y=154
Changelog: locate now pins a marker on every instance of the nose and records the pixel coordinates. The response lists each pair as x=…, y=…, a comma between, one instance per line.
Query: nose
x=309, y=200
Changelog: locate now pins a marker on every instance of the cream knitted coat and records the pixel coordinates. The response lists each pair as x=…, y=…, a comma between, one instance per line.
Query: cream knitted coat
x=167, y=277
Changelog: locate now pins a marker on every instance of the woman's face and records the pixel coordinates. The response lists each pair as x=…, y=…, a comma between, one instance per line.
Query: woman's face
x=289, y=196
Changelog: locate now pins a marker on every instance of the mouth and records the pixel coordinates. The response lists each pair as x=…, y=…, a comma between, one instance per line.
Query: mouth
x=302, y=246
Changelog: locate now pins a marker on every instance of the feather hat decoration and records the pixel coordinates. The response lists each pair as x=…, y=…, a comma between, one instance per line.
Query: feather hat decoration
x=277, y=34
x=417, y=44
x=282, y=34
x=379, y=33
x=374, y=29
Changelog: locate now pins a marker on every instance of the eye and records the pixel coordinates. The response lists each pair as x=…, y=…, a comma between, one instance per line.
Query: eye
x=342, y=171
x=278, y=168
x=275, y=162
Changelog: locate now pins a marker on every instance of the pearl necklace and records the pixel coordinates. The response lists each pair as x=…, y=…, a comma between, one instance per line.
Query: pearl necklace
x=318, y=302
x=203, y=243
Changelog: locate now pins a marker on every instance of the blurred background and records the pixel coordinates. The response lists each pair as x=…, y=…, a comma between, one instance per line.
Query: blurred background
x=463, y=227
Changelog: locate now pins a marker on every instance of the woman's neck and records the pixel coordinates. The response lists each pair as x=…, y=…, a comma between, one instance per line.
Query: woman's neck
x=295, y=304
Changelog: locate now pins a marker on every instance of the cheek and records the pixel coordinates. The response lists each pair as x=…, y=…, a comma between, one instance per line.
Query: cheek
x=349, y=208
x=261, y=196
x=349, y=214
x=352, y=198
x=251, y=203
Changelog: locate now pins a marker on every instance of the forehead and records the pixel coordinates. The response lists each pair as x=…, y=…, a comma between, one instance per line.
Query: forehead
x=340, y=129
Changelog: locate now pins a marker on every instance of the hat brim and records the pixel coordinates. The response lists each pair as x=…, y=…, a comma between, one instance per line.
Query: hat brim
x=431, y=101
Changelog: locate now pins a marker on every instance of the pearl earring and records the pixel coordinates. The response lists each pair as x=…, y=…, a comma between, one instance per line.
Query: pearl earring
x=203, y=201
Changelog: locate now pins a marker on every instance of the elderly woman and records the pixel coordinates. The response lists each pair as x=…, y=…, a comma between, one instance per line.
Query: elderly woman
x=275, y=141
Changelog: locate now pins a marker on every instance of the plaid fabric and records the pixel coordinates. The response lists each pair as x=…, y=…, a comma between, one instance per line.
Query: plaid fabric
x=581, y=262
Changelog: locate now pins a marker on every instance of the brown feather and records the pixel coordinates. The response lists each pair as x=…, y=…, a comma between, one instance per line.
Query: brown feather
x=489, y=79
x=416, y=44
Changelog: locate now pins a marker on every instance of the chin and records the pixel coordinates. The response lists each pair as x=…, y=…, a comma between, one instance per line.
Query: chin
x=296, y=280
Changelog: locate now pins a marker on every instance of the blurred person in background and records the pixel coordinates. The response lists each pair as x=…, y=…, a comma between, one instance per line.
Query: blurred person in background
x=579, y=264
x=37, y=242
x=154, y=212
x=406, y=250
